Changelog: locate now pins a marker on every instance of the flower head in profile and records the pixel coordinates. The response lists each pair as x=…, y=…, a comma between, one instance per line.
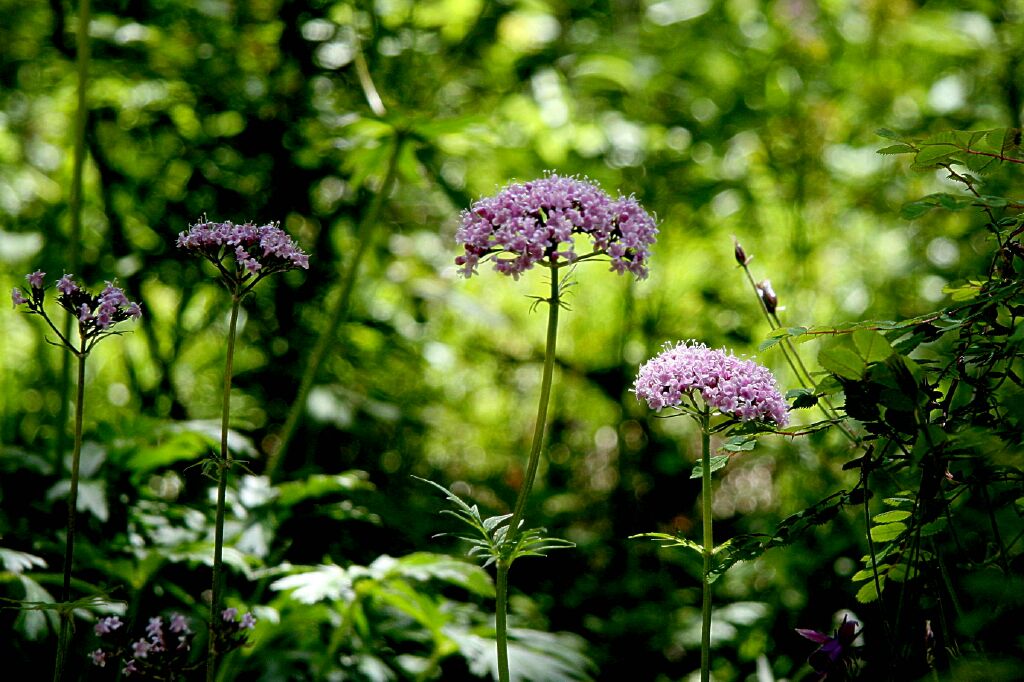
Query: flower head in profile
x=96, y=313
x=536, y=222
x=836, y=652
x=244, y=254
x=739, y=388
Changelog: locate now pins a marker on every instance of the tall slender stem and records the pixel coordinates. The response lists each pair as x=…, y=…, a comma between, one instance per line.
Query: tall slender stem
x=69, y=546
x=501, y=605
x=501, y=620
x=223, y=464
x=708, y=543
x=338, y=312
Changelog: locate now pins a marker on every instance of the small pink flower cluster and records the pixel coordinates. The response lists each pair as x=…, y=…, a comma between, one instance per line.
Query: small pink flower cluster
x=536, y=221
x=256, y=249
x=153, y=653
x=736, y=387
x=95, y=314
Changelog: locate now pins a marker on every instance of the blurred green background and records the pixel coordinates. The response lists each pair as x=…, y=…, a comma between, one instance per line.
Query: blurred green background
x=724, y=117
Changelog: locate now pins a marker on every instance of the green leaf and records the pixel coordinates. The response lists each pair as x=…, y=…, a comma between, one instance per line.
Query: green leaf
x=887, y=532
x=915, y=209
x=933, y=153
x=743, y=443
x=891, y=516
x=18, y=562
x=717, y=462
x=327, y=582
x=841, y=362
x=872, y=346
x=897, y=149
x=863, y=574
x=868, y=592
x=423, y=566
x=319, y=485
x=672, y=541
x=888, y=134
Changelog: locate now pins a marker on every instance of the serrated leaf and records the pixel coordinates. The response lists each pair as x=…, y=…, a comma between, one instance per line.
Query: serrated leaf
x=863, y=574
x=915, y=209
x=768, y=343
x=841, y=362
x=899, y=573
x=891, y=516
x=933, y=153
x=888, y=134
x=872, y=346
x=868, y=592
x=887, y=532
x=717, y=462
x=897, y=149
x=898, y=501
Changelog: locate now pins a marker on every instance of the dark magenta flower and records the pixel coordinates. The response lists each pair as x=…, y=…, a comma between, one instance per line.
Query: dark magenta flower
x=835, y=652
x=537, y=222
x=739, y=388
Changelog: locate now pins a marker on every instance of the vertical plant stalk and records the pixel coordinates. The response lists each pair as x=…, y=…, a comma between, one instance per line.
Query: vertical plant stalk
x=69, y=547
x=501, y=604
x=223, y=465
x=708, y=543
x=794, y=360
x=338, y=312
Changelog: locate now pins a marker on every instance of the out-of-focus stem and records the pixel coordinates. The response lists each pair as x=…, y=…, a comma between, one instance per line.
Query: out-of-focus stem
x=223, y=465
x=337, y=313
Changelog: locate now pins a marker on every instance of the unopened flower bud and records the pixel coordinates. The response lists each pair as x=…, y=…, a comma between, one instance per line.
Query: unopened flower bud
x=768, y=297
x=741, y=255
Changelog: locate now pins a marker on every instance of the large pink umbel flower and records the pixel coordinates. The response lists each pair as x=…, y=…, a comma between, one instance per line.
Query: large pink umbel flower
x=735, y=387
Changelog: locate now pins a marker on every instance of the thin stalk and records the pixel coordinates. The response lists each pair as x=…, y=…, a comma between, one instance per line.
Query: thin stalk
x=501, y=620
x=796, y=363
x=338, y=312
x=501, y=605
x=223, y=464
x=708, y=543
x=69, y=547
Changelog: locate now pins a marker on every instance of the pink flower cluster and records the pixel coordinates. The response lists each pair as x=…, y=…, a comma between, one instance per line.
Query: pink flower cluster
x=149, y=651
x=536, y=221
x=94, y=313
x=736, y=387
x=256, y=249
x=161, y=652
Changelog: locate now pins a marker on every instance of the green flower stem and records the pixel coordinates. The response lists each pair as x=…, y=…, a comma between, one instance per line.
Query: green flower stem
x=223, y=464
x=708, y=544
x=501, y=620
x=501, y=605
x=69, y=547
x=338, y=312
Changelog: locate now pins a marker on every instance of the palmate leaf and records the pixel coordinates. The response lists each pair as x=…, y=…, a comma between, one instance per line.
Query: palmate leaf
x=490, y=542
